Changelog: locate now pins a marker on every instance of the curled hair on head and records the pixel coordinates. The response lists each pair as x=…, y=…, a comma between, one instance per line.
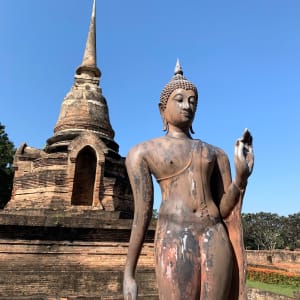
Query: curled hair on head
x=178, y=81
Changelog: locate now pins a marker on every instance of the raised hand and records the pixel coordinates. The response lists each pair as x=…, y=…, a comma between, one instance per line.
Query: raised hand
x=243, y=159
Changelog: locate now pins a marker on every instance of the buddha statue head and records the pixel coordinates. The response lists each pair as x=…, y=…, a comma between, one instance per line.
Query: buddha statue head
x=178, y=81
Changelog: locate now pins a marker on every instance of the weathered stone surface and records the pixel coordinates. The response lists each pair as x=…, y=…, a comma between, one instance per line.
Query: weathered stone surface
x=88, y=173
x=76, y=255
x=71, y=270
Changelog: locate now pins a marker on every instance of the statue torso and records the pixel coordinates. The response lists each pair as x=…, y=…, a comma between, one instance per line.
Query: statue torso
x=183, y=169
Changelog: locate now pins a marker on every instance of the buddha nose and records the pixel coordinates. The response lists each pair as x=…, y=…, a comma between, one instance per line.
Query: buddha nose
x=186, y=104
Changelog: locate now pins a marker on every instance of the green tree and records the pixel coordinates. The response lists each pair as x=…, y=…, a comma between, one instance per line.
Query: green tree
x=270, y=231
x=7, y=151
x=291, y=231
x=263, y=231
x=249, y=240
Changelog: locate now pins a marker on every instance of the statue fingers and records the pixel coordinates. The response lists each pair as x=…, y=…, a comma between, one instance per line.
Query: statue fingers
x=239, y=149
x=247, y=137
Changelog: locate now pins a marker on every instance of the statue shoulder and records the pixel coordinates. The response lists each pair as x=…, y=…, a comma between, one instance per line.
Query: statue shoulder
x=218, y=152
x=142, y=151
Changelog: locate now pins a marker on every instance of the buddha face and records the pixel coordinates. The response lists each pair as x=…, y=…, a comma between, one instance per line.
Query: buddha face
x=180, y=109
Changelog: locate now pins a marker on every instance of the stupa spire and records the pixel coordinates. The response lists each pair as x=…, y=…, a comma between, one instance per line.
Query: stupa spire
x=89, y=61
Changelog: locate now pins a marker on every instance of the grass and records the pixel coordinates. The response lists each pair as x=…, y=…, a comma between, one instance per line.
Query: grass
x=284, y=290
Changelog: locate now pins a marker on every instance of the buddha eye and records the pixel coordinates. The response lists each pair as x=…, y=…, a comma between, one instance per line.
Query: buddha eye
x=192, y=100
x=178, y=98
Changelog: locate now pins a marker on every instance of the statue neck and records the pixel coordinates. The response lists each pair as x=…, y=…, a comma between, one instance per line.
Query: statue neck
x=178, y=134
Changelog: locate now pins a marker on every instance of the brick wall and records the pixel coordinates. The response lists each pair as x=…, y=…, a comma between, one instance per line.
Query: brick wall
x=69, y=257
x=43, y=269
x=275, y=256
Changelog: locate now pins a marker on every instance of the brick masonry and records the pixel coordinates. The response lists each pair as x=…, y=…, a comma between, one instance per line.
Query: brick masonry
x=274, y=256
x=49, y=258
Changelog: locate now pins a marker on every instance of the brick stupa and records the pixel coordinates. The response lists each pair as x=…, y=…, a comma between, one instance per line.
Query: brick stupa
x=80, y=168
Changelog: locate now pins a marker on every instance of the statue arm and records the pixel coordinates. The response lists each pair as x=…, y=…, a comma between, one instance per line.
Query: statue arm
x=142, y=188
x=228, y=193
x=243, y=161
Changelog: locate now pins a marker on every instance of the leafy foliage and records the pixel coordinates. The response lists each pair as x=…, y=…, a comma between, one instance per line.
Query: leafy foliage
x=291, y=231
x=7, y=151
x=273, y=276
x=267, y=231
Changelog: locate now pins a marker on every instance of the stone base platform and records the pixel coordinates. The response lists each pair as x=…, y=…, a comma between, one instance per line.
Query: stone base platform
x=65, y=257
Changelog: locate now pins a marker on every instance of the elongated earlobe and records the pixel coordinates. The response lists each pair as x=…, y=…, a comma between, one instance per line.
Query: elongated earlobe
x=165, y=125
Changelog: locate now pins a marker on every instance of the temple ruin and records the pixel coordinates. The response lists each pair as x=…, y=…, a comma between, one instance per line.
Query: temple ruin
x=80, y=167
x=64, y=234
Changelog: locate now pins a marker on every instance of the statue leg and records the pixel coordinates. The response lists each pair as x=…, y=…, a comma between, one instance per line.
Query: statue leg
x=216, y=263
x=177, y=263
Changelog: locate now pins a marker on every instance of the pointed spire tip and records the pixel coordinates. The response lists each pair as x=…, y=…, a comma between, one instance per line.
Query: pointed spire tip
x=178, y=68
x=94, y=9
x=89, y=61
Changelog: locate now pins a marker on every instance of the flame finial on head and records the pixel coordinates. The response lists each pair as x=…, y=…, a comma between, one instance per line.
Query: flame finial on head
x=178, y=68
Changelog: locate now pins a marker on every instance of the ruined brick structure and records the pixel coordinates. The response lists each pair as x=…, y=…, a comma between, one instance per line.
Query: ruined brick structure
x=80, y=166
x=64, y=233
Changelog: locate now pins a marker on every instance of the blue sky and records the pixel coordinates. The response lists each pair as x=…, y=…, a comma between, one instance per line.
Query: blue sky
x=244, y=57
